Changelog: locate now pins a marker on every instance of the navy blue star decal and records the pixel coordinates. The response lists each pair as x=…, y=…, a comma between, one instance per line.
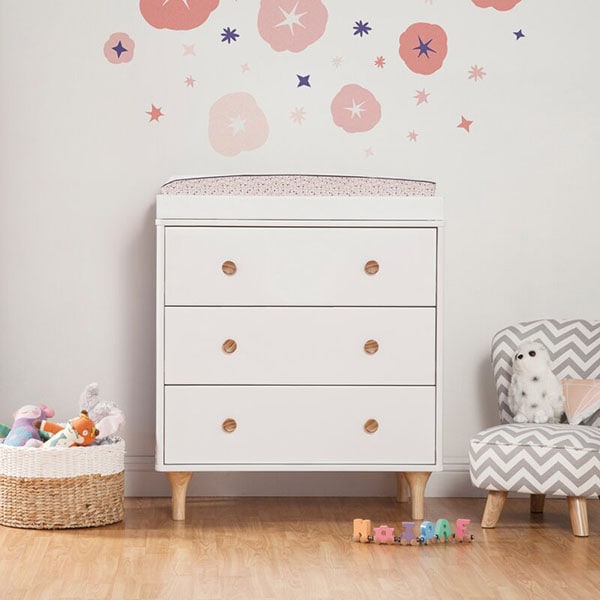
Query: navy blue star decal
x=229, y=35
x=303, y=80
x=119, y=49
x=361, y=28
x=519, y=34
x=424, y=48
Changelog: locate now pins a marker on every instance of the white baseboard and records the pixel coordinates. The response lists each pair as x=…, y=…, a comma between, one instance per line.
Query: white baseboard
x=142, y=480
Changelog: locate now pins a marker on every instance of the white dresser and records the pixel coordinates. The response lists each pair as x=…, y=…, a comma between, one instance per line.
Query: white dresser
x=299, y=328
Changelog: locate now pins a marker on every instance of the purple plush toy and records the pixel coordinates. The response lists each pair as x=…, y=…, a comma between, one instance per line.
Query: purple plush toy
x=23, y=432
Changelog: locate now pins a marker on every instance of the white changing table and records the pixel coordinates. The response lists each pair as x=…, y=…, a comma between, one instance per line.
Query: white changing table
x=299, y=328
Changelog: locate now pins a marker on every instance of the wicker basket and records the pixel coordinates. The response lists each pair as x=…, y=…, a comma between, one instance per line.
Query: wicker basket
x=62, y=488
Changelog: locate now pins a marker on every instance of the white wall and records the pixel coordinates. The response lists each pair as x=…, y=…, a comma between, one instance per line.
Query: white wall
x=81, y=163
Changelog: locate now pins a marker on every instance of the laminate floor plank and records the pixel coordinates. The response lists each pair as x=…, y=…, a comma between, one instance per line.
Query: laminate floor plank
x=302, y=548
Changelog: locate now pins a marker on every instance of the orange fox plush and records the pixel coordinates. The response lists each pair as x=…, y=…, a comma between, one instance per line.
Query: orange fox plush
x=79, y=431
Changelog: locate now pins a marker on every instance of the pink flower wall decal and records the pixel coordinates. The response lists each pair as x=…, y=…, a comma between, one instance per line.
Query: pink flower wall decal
x=291, y=24
x=177, y=14
x=355, y=109
x=497, y=4
x=423, y=47
x=119, y=48
x=236, y=123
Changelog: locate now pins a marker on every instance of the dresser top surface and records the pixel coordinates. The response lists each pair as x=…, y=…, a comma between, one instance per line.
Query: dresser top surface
x=299, y=198
x=296, y=185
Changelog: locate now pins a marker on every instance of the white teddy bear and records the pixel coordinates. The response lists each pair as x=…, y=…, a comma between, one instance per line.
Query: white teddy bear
x=535, y=394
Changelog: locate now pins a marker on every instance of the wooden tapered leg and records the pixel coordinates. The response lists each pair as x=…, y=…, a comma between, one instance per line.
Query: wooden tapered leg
x=417, y=480
x=536, y=503
x=402, y=490
x=179, y=482
x=493, y=508
x=579, y=516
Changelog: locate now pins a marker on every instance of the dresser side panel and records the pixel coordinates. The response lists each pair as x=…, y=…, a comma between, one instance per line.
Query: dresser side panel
x=160, y=311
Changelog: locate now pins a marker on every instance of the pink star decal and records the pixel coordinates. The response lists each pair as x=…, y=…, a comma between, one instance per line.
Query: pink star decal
x=379, y=62
x=189, y=81
x=298, y=115
x=465, y=124
x=476, y=73
x=336, y=61
x=421, y=97
x=245, y=67
x=188, y=49
x=369, y=152
x=155, y=113
x=412, y=136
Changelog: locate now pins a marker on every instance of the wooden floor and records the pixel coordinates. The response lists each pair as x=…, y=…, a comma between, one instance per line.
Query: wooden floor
x=288, y=548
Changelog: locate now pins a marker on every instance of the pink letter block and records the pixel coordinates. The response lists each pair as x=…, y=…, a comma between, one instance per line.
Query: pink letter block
x=384, y=534
x=462, y=532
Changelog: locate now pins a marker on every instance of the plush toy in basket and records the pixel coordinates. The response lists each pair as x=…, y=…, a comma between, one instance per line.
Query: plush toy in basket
x=107, y=416
x=80, y=431
x=75, y=481
x=24, y=432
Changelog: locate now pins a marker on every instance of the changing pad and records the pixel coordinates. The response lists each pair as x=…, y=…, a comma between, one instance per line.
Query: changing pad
x=297, y=185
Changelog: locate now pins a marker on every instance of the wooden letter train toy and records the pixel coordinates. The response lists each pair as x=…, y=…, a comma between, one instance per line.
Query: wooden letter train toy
x=429, y=532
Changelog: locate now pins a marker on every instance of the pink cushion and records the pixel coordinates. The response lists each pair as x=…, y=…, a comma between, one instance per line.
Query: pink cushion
x=582, y=398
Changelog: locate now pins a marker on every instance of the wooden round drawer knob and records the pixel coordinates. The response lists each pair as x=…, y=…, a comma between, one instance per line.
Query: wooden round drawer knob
x=371, y=346
x=371, y=426
x=229, y=346
x=229, y=425
x=229, y=267
x=371, y=267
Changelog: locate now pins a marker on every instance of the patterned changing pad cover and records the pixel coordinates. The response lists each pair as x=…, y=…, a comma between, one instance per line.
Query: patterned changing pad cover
x=297, y=185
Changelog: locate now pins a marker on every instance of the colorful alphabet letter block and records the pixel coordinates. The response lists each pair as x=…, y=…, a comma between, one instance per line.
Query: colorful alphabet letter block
x=443, y=529
x=362, y=530
x=408, y=535
x=428, y=532
x=384, y=535
x=461, y=532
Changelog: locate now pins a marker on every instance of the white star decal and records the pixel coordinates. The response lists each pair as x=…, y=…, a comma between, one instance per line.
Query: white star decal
x=356, y=109
x=291, y=18
x=184, y=1
x=237, y=124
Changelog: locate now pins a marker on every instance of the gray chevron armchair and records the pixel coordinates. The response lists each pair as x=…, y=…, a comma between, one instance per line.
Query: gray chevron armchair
x=559, y=460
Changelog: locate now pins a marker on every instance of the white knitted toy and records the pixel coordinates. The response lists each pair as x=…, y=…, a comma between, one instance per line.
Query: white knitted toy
x=104, y=414
x=535, y=394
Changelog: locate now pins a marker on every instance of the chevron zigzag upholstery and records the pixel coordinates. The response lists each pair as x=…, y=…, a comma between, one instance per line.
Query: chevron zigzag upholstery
x=561, y=459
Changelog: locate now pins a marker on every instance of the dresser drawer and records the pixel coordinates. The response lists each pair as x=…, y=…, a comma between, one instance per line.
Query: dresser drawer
x=299, y=425
x=302, y=266
x=387, y=346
